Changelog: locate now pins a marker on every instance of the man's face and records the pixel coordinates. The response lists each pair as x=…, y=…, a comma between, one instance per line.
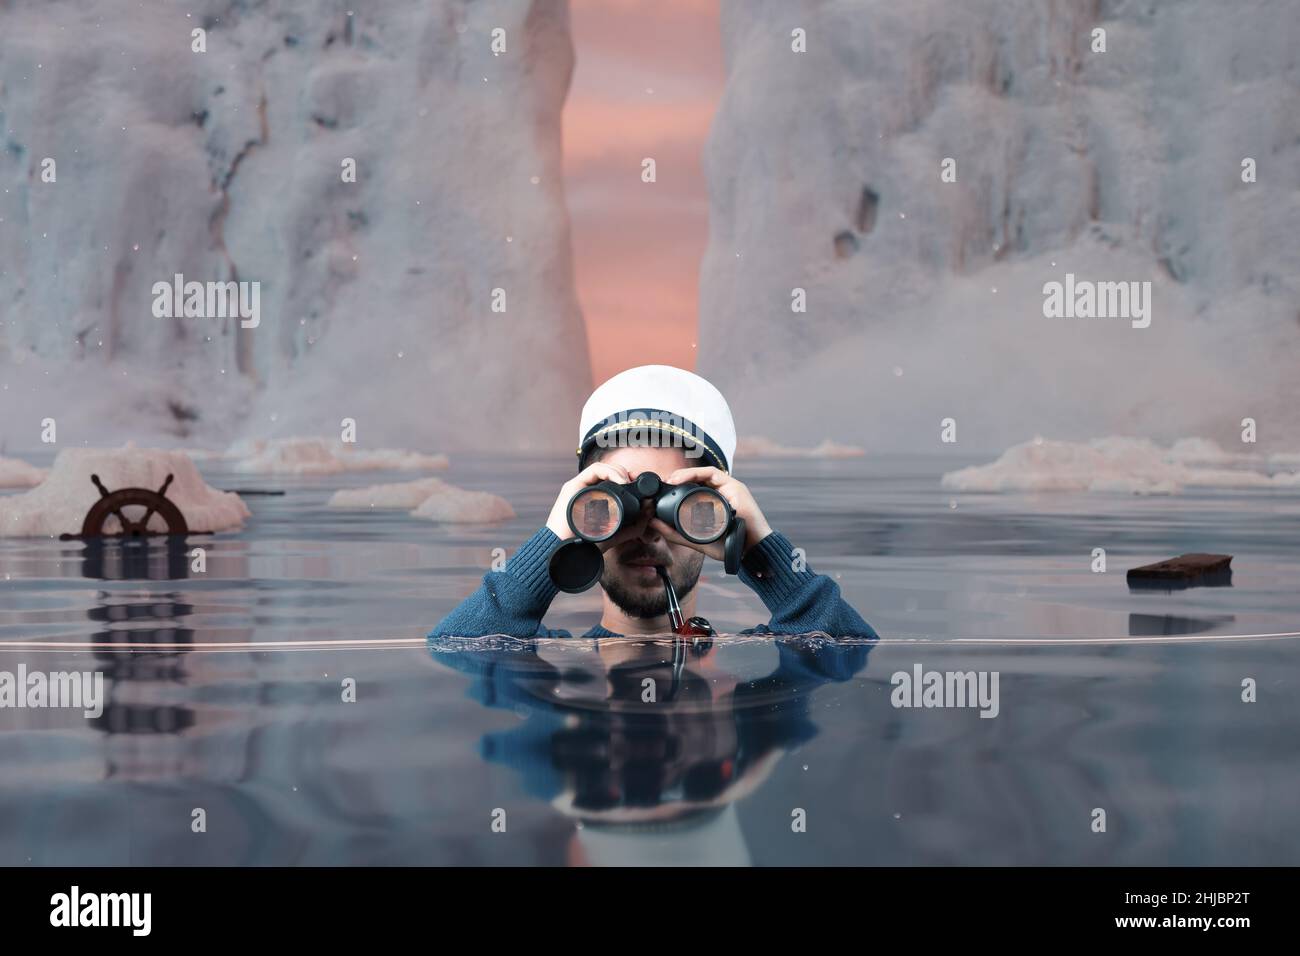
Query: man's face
x=630, y=577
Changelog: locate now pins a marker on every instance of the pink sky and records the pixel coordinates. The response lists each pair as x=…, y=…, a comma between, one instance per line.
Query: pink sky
x=648, y=78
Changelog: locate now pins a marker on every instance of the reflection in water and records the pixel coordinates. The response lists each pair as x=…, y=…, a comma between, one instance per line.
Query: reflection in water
x=646, y=743
x=164, y=558
x=139, y=680
x=122, y=716
x=149, y=559
x=1155, y=625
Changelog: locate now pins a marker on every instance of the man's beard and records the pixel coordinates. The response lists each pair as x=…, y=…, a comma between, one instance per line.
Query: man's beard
x=651, y=602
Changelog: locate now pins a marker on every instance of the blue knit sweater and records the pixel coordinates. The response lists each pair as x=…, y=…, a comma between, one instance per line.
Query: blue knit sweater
x=513, y=601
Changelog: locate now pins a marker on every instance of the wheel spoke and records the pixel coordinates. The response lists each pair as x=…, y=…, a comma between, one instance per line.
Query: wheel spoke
x=126, y=525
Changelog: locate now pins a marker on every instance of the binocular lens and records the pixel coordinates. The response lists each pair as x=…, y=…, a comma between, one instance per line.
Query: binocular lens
x=702, y=517
x=595, y=514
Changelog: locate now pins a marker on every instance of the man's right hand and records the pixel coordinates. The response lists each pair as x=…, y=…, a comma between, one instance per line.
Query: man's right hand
x=558, y=522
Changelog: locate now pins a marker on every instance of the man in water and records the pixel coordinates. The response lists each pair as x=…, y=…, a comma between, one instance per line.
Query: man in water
x=660, y=419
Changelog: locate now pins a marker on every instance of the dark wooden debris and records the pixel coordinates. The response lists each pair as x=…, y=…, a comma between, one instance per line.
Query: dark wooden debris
x=1185, y=571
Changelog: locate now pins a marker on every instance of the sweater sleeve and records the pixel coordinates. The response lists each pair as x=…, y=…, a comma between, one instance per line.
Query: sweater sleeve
x=511, y=601
x=801, y=601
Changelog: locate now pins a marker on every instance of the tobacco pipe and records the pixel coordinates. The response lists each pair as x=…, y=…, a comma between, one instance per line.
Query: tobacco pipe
x=695, y=627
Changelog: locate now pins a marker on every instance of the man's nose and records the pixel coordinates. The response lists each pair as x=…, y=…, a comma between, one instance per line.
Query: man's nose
x=642, y=527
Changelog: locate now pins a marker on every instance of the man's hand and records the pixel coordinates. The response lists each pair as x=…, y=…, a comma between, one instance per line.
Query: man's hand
x=737, y=495
x=591, y=475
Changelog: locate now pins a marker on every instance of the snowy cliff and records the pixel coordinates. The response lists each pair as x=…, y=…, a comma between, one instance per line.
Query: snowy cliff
x=231, y=163
x=925, y=297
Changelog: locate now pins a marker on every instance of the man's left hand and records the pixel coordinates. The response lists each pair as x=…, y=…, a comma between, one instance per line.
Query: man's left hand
x=736, y=494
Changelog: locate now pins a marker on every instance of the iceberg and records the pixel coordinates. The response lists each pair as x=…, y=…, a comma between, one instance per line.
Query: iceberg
x=847, y=281
x=373, y=168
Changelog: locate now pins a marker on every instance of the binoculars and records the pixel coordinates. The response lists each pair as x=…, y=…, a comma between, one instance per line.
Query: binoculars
x=599, y=512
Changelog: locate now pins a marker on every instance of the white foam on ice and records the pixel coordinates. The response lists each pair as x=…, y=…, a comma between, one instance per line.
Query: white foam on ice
x=1125, y=465
x=19, y=474
x=324, y=456
x=59, y=504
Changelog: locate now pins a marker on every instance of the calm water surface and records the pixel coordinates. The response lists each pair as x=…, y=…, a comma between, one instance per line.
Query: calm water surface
x=753, y=751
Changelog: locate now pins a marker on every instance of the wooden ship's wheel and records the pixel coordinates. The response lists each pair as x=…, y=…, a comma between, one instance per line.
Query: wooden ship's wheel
x=126, y=505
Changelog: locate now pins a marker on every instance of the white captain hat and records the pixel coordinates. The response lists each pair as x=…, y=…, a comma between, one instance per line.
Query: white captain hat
x=680, y=406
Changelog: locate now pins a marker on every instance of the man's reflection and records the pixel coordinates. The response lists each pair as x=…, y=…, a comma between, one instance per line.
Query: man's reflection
x=647, y=743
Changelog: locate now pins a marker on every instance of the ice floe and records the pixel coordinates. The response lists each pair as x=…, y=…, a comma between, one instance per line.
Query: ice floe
x=456, y=505
x=429, y=498
x=1126, y=465
x=759, y=446
x=58, y=505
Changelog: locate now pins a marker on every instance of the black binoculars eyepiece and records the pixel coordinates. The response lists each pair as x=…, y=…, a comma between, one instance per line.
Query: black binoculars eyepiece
x=600, y=511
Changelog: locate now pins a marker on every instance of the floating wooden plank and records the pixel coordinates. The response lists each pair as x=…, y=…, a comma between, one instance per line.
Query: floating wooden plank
x=1184, y=571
